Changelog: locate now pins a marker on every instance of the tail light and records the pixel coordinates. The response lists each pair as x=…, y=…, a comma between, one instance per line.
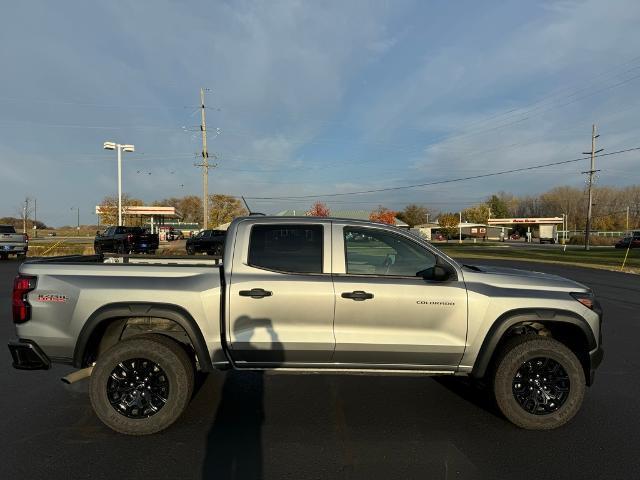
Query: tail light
x=22, y=285
x=129, y=237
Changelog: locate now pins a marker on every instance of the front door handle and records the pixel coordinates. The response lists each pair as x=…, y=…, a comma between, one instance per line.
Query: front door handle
x=255, y=293
x=358, y=295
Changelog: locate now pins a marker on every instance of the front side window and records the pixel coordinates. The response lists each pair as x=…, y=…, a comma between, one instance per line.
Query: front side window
x=378, y=252
x=287, y=248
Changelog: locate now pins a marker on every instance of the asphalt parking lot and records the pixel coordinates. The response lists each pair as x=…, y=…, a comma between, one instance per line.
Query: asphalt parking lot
x=243, y=426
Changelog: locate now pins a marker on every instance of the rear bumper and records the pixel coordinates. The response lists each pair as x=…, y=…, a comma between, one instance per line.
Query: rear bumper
x=4, y=248
x=27, y=355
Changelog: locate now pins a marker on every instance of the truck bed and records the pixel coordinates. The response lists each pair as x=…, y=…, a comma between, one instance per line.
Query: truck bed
x=129, y=259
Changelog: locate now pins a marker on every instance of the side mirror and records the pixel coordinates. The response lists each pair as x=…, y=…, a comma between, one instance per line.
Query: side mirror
x=438, y=273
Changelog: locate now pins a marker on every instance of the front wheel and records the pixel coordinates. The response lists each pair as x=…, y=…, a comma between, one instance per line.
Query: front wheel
x=539, y=383
x=191, y=251
x=142, y=384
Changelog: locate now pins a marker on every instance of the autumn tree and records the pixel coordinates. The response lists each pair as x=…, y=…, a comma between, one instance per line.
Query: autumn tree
x=498, y=207
x=414, y=215
x=319, y=209
x=189, y=207
x=448, y=224
x=477, y=214
x=224, y=208
x=383, y=215
x=109, y=208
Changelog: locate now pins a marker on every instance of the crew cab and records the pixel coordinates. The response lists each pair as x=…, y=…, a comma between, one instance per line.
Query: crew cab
x=210, y=242
x=12, y=243
x=311, y=295
x=126, y=240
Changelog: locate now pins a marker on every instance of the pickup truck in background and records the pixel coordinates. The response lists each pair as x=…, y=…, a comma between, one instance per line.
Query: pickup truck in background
x=310, y=295
x=126, y=240
x=210, y=242
x=12, y=243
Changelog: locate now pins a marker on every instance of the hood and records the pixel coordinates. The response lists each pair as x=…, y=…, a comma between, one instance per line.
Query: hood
x=515, y=278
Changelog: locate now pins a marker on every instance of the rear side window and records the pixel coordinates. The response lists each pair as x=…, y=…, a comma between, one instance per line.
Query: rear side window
x=7, y=229
x=286, y=248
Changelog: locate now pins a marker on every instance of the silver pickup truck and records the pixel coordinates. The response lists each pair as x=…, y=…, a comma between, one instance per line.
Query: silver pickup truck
x=306, y=294
x=12, y=243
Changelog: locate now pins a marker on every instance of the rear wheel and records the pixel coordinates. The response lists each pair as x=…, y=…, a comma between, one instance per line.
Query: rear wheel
x=539, y=383
x=141, y=385
x=122, y=249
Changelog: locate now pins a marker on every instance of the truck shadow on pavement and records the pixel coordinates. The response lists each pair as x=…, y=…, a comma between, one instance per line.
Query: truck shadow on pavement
x=234, y=442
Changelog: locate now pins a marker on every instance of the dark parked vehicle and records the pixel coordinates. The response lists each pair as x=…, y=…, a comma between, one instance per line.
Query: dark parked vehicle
x=634, y=241
x=174, y=234
x=126, y=240
x=210, y=242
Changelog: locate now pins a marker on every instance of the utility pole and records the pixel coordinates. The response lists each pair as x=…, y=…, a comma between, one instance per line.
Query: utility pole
x=591, y=173
x=205, y=163
x=627, y=218
x=35, y=217
x=24, y=215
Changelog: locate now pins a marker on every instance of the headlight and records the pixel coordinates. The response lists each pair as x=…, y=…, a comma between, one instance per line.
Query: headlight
x=585, y=298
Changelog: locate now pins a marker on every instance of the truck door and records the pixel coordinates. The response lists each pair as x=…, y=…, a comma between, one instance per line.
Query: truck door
x=280, y=297
x=387, y=313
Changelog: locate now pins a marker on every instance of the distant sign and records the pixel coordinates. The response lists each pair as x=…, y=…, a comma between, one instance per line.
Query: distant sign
x=525, y=220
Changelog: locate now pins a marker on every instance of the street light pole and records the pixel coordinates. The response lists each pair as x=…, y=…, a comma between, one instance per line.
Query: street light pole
x=119, y=148
x=78, y=211
x=119, y=185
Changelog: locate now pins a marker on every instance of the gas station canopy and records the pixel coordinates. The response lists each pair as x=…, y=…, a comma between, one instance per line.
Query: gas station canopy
x=525, y=221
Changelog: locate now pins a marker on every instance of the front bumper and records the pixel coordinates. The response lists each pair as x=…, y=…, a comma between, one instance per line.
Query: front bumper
x=27, y=355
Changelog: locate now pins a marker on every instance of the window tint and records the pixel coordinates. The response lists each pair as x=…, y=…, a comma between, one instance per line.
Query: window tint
x=377, y=252
x=7, y=229
x=287, y=248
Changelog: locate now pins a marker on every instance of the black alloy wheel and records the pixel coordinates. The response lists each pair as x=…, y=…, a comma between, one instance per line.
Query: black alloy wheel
x=541, y=386
x=138, y=388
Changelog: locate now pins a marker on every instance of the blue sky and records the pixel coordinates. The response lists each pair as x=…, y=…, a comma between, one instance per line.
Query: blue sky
x=313, y=98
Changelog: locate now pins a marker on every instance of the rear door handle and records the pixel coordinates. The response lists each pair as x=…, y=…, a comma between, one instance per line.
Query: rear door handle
x=255, y=293
x=358, y=295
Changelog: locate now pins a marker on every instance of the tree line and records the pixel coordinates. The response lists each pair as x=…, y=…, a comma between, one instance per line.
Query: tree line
x=222, y=208
x=609, y=208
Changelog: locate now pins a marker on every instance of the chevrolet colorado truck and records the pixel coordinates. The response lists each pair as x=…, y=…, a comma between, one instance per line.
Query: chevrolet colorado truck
x=311, y=295
x=12, y=243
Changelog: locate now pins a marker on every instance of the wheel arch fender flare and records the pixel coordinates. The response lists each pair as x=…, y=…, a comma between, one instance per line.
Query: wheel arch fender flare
x=517, y=316
x=107, y=314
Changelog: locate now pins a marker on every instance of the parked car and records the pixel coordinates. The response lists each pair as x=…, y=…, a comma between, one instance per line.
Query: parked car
x=51, y=234
x=13, y=243
x=174, y=234
x=126, y=240
x=210, y=242
x=302, y=293
x=629, y=242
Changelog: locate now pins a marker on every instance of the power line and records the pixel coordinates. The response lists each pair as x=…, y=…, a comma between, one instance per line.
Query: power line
x=440, y=182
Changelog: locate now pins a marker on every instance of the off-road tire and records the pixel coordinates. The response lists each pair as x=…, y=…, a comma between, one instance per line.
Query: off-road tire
x=518, y=351
x=159, y=349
